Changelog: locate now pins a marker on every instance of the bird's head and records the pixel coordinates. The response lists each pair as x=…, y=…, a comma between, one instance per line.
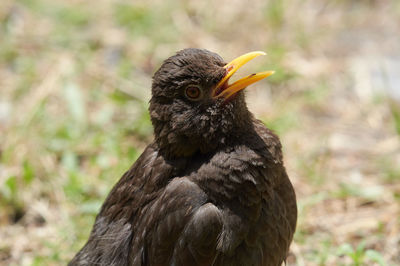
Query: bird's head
x=193, y=108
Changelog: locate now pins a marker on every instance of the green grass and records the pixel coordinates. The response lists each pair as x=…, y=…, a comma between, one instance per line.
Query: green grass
x=360, y=255
x=396, y=117
x=77, y=76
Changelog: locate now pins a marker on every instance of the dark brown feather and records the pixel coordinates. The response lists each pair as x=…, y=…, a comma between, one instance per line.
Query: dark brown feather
x=210, y=190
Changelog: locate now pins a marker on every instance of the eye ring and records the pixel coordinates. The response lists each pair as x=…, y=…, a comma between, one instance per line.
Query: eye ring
x=193, y=92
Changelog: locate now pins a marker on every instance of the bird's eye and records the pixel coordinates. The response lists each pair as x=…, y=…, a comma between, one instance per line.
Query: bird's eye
x=193, y=92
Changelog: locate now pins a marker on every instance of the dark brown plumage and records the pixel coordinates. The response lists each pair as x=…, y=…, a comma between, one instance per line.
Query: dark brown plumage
x=210, y=190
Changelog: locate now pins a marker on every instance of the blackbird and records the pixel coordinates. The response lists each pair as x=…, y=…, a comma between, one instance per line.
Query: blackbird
x=211, y=189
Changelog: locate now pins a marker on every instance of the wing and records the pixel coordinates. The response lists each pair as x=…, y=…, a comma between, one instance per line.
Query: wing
x=112, y=232
x=180, y=228
x=152, y=217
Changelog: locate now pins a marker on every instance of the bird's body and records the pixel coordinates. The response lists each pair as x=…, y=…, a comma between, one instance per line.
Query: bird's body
x=196, y=197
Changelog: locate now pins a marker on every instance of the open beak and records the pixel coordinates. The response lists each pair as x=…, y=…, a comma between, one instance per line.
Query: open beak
x=225, y=90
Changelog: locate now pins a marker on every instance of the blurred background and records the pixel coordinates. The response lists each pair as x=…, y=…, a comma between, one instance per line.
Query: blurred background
x=75, y=81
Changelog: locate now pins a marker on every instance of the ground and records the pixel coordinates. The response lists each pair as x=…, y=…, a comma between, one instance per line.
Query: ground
x=74, y=89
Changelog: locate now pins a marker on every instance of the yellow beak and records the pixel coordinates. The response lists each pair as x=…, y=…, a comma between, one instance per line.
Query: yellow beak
x=223, y=90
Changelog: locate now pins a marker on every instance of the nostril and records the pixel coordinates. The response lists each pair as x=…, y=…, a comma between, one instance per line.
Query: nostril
x=229, y=68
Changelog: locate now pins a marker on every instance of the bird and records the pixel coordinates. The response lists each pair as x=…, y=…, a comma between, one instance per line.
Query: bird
x=210, y=189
